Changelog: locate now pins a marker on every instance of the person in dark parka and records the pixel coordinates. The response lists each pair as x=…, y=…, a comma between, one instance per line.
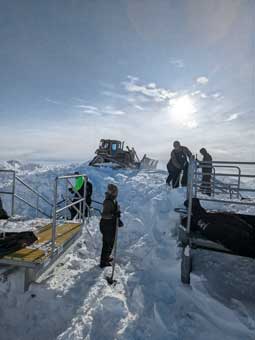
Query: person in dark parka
x=206, y=172
x=3, y=213
x=110, y=215
x=177, y=164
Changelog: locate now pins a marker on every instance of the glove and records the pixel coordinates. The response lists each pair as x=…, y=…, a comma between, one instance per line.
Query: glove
x=121, y=224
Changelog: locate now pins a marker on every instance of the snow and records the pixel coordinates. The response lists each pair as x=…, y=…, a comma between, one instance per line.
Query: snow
x=75, y=302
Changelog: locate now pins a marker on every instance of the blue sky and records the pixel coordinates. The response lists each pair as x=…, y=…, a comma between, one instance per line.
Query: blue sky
x=147, y=72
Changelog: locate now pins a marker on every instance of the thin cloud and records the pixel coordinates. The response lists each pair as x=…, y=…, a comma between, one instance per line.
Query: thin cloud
x=112, y=111
x=217, y=95
x=203, y=96
x=202, y=80
x=132, y=78
x=234, y=116
x=192, y=124
x=86, y=107
x=177, y=63
x=195, y=93
x=115, y=95
x=49, y=100
x=150, y=90
x=89, y=109
x=98, y=111
x=139, y=107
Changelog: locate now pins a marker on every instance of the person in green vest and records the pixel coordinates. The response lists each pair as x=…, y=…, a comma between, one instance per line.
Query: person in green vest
x=79, y=187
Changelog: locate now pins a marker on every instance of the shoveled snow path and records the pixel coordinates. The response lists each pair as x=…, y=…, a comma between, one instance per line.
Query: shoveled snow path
x=149, y=302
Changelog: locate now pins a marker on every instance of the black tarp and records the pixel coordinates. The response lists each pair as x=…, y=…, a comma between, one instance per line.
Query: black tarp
x=13, y=241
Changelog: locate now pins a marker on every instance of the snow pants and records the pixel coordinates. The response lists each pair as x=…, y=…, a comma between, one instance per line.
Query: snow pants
x=107, y=228
x=174, y=177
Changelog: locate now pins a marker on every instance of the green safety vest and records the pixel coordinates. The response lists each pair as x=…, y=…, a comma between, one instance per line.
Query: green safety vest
x=79, y=181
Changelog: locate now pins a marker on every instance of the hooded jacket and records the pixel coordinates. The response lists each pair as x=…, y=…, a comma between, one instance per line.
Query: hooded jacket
x=110, y=208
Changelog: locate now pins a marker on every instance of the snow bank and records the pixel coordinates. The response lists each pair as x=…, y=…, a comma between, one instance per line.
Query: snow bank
x=149, y=301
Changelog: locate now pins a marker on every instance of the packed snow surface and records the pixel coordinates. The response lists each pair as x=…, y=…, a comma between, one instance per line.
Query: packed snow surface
x=75, y=302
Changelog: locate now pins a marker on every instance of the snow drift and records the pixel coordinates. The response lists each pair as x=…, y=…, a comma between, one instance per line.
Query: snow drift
x=149, y=301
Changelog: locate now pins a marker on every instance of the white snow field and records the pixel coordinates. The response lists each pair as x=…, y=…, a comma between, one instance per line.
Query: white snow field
x=75, y=302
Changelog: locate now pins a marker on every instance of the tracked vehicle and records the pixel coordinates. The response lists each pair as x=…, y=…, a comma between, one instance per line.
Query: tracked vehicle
x=112, y=153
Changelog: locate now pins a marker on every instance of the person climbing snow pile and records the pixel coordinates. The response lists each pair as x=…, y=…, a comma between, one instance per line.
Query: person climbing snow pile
x=110, y=217
x=178, y=164
x=78, y=191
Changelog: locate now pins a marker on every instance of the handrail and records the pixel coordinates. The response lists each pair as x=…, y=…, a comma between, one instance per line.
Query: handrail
x=70, y=176
x=31, y=205
x=193, y=183
x=34, y=191
x=215, y=183
x=69, y=205
x=6, y=170
x=227, y=201
x=228, y=162
x=15, y=180
x=219, y=186
x=6, y=192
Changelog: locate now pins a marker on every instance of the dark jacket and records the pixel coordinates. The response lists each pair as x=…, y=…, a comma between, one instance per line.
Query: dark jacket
x=110, y=211
x=3, y=213
x=179, y=158
x=208, y=159
x=89, y=192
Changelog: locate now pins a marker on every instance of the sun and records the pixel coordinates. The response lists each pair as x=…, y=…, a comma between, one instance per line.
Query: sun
x=182, y=110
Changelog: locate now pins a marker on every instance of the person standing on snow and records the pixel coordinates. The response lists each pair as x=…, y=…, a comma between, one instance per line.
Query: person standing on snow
x=108, y=224
x=177, y=164
x=79, y=187
x=3, y=213
x=206, y=172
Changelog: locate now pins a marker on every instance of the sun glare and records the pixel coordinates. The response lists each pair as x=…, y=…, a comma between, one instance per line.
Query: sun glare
x=182, y=111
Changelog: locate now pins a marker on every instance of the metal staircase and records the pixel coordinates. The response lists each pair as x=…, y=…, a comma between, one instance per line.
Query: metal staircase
x=53, y=239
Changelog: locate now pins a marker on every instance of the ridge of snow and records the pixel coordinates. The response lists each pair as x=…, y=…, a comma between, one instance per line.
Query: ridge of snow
x=149, y=302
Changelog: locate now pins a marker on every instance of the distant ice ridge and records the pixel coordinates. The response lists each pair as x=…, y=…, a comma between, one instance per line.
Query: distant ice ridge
x=39, y=176
x=29, y=168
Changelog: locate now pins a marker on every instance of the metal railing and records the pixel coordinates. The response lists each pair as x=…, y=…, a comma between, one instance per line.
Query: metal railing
x=78, y=200
x=218, y=189
x=217, y=184
x=13, y=183
x=78, y=203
